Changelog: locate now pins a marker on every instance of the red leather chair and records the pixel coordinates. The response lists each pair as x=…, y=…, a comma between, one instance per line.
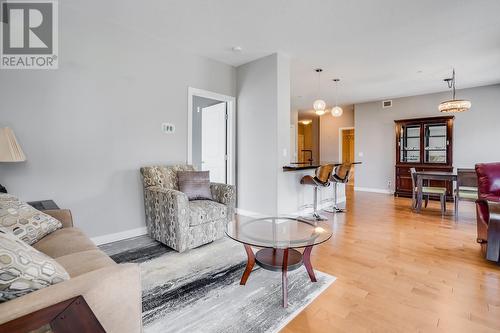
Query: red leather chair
x=487, y=206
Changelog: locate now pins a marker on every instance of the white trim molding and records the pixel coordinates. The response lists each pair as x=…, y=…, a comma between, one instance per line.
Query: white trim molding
x=110, y=238
x=231, y=128
x=374, y=190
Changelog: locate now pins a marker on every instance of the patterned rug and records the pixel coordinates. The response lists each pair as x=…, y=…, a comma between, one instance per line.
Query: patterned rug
x=199, y=291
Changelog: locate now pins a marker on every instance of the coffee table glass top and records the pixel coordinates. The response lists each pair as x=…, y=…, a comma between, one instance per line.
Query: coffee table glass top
x=279, y=232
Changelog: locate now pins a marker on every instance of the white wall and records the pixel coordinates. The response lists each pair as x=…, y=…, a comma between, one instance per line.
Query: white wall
x=257, y=138
x=329, y=133
x=88, y=127
x=476, y=132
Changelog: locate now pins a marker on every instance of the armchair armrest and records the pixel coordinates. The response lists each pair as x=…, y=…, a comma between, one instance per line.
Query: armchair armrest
x=62, y=215
x=493, y=250
x=167, y=216
x=226, y=195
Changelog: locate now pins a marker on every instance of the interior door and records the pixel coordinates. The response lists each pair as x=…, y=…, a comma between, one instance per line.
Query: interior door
x=348, y=146
x=213, y=142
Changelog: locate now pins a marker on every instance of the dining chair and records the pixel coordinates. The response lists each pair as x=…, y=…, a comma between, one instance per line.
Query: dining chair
x=427, y=191
x=466, y=187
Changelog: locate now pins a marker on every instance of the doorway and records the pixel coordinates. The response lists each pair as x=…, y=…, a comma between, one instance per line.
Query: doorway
x=346, y=148
x=211, y=134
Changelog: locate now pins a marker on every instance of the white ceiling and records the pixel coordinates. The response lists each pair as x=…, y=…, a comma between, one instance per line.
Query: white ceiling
x=376, y=48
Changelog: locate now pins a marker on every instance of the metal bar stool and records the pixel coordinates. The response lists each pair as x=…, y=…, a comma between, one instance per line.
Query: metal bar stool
x=321, y=178
x=340, y=176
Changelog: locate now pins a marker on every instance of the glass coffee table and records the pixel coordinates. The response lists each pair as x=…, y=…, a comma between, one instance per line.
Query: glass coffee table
x=279, y=238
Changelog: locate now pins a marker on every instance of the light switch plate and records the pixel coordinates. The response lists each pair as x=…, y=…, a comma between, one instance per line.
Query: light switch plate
x=168, y=128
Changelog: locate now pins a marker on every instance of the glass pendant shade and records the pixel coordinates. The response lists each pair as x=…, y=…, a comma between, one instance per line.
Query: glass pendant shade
x=455, y=105
x=337, y=111
x=319, y=105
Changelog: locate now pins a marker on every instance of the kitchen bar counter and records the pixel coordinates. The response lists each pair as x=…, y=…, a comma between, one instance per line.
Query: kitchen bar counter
x=296, y=166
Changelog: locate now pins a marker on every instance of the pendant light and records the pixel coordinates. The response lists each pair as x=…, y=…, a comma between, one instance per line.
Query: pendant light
x=454, y=105
x=336, y=110
x=319, y=105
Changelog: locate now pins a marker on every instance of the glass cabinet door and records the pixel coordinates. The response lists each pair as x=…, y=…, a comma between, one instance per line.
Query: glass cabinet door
x=436, y=143
x=409, y=144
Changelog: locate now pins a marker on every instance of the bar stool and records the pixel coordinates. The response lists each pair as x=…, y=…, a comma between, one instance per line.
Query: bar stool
x=321, y=178
x=340, y=176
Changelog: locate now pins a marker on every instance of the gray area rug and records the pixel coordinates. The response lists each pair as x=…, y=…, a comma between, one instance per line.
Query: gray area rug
x=199, y=291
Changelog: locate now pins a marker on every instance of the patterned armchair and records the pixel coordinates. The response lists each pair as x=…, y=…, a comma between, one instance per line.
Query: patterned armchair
x=177, y=222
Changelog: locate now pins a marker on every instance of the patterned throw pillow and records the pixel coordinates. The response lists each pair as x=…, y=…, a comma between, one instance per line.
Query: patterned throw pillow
x=195, y=184
x=24, y=269
x=24, y=221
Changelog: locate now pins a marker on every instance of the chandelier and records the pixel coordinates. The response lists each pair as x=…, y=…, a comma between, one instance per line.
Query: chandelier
x=319, y=105
x=454, y=105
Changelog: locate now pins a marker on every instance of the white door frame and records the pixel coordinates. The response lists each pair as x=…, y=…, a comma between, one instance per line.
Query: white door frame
x=231, y=128
x=340, y=141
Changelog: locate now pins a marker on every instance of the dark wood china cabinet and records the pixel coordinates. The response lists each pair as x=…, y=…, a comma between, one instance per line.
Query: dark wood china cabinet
x=423, y=144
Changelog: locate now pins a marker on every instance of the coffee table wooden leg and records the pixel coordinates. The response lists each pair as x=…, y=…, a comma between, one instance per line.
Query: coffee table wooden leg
x=307, y=263
x=284, y=278
x=250, y=264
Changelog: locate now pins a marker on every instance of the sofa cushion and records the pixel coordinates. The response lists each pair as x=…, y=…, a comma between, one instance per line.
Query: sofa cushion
x=24, y=221
x=86, y=261
x=163, y=176
x=195, y=184
x=63, y=242
x=24, y=269
x=204, y=211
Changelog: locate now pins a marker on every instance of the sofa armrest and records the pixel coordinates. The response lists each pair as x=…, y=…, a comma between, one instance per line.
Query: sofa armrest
x=226, y=195
x=62, y=215
x=113, y=293
x=167, y=216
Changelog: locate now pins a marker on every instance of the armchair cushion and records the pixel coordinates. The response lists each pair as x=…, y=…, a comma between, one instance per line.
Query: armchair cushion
x=204, y=211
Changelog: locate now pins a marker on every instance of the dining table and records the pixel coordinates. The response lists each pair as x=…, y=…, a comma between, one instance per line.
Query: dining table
x=431, y=175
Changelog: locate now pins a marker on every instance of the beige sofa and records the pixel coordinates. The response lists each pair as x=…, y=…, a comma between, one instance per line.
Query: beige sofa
x=113, y=291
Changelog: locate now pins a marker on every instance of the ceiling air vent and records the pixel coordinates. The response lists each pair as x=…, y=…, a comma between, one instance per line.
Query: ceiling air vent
x=387, y=104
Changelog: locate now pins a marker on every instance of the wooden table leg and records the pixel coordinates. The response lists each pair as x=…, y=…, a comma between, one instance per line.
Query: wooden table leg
x=284, y=278
x=419, y=193
x=250, y=264
x=307, y=263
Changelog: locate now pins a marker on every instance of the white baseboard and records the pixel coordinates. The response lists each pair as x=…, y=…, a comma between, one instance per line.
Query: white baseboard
x=374, y=190
x=109, y=238
x=249, y=213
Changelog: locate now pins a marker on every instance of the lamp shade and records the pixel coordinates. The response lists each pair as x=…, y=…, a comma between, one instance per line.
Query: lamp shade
x=10, y=150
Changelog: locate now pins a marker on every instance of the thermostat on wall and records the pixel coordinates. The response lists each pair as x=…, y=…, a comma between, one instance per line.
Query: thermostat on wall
x=168, y=128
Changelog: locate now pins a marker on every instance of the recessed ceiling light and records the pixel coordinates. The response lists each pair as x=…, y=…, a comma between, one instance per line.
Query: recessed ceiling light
x=237, y=49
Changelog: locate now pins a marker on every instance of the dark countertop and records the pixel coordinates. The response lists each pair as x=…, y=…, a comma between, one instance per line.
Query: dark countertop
x=296, y=166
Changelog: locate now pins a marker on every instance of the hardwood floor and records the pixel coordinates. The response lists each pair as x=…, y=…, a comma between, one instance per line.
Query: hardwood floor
x=398, y=271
